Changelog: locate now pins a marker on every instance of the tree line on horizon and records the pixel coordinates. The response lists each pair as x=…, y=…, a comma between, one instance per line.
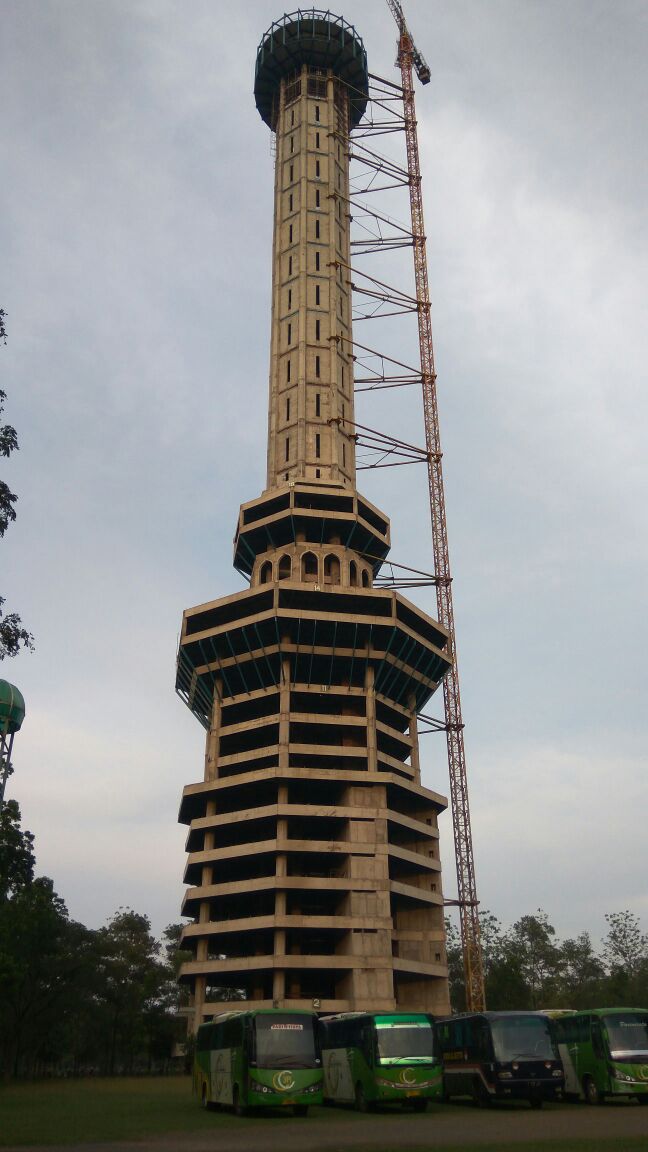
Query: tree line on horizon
x=526, y=966
x=77, y=1000
x=106, y=1001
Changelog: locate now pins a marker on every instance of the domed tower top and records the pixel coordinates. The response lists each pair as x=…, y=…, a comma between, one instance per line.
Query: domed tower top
x=316, y=37
x=12, y=707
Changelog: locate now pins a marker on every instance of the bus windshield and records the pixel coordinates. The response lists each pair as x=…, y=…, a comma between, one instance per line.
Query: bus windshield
x=627, y=1034
x=285, y=1041
x=522, y=1038
x=412, y=1042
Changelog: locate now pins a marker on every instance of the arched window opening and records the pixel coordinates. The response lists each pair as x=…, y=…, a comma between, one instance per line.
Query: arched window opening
x=265, y=575
x=353, y=574
x=285, y=568
x=310, y=572
x=331, y=570
x=365, y=578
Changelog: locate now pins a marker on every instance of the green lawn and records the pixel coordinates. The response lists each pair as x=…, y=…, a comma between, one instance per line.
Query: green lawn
x=72, y=1111
x=68, y=1111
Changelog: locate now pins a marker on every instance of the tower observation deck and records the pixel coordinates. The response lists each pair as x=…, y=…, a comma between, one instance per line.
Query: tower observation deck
x=313, y=865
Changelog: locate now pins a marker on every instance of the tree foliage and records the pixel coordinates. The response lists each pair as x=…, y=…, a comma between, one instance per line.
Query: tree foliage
x=527, y=967
x=73, y=998
x=16, y=852
x=13, y=635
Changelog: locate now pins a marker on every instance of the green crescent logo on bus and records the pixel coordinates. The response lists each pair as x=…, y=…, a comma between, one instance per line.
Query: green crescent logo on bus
x=407, y=1076
x=642, y=1072
x=283, y=1081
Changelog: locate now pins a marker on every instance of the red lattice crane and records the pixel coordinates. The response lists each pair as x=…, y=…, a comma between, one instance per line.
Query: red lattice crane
x=410, y=58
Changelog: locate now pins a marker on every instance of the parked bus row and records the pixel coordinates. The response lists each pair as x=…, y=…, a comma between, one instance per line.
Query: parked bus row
x=278, y=1058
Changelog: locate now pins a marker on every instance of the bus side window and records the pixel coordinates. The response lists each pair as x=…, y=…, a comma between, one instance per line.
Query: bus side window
x=458, y=1038
x=482, y=1041
x=597, y=1040
x=366, y=1044
x=250, y=1038
x=339, y=1034
x=204, y=1037
x=562, y=1029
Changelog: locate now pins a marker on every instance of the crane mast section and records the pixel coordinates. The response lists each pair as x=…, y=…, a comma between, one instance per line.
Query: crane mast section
x=467, y=890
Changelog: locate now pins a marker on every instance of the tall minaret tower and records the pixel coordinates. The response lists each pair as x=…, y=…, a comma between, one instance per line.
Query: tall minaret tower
x=313, y=864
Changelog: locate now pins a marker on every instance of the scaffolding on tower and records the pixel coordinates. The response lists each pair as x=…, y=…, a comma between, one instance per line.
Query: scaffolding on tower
x=408, y=60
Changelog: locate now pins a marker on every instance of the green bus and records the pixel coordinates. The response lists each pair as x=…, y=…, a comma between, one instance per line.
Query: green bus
x=500, y=1056
x=265, y=1058
x=378, y=1058
x=604, y=1053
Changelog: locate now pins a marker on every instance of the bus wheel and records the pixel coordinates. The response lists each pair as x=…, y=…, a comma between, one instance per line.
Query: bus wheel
x=300, y=1109
x=535, y=1100
x=239, y=1109
x=480, y=1096
x=591, y=1092
x=361, y=1102
x=203, y=1098
x=641, y=1099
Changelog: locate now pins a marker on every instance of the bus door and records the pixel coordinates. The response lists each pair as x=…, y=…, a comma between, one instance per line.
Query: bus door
x=568, y=1052
x=599, y=1069
x=221, y=1075
x=577, y=1057
x=338, y=1074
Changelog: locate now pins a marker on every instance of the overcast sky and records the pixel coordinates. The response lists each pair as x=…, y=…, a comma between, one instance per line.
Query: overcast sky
x=135, y=241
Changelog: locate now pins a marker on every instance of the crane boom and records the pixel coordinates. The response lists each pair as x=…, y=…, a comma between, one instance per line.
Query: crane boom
x=409, y=57
x=422, y=70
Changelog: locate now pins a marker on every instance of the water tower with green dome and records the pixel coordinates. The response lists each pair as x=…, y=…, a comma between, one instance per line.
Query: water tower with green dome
x=12, y=714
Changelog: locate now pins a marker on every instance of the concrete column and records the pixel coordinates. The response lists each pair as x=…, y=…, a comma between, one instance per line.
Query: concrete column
x=413, y=732
x=372, y=736
x=212, y=744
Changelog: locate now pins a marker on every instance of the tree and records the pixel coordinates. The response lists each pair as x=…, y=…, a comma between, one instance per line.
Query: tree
x=504, y=981
x=16, y=856
x=13, y=635
x=40, y=957
x=580, y=974
x=625, y=945
x=625, y=952
x=132, y=980
x=454, y=956
x=531, y=940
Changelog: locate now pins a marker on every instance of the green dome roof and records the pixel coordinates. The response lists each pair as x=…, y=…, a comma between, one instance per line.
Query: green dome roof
x=316, y=37
x=12, y=707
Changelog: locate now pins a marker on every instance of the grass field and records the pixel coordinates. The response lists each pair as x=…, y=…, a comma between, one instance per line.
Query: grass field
x=76, y=1111
x=69, y=1111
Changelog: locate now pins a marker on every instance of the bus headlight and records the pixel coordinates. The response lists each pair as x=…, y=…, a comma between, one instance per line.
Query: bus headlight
x=311, y=1089
x=255, y=1086
x=619, y=1075
x=504, y=1075
x=557, y=1072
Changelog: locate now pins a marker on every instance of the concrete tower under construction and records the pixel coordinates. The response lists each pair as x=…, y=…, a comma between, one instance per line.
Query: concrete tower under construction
x=313, y=863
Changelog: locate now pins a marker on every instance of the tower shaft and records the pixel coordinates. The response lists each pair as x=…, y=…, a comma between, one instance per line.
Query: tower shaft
x=311, y=372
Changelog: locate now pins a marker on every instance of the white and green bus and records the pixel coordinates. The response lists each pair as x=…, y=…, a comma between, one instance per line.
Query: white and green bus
x=604, y=1053
x=265, y=1058
x=379, y=1058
